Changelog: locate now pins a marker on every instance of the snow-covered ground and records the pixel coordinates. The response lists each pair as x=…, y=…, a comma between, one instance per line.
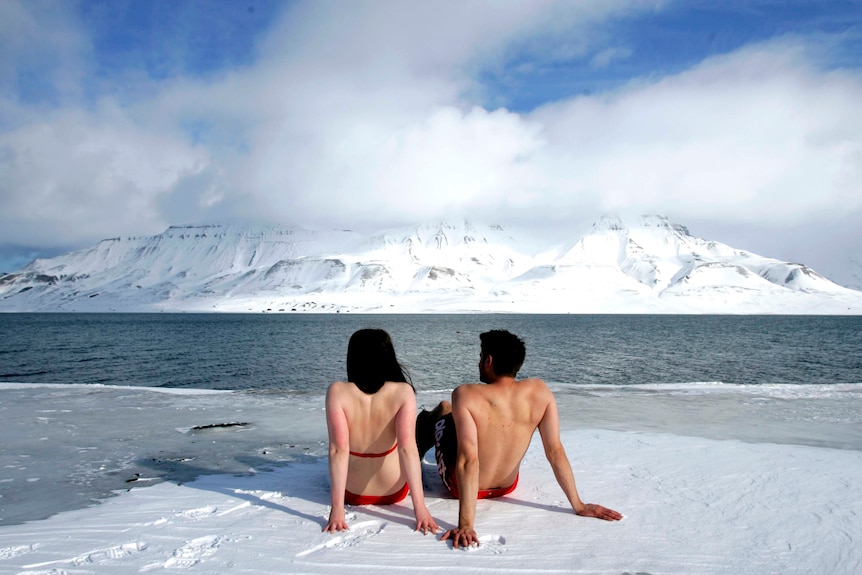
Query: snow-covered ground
x=703, y=488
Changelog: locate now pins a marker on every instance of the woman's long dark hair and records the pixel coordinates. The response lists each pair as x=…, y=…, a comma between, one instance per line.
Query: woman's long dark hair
x=371, y=361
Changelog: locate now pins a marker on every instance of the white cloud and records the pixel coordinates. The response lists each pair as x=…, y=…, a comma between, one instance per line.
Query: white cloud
x=73, y=173
x=756, y=134
x=365, y=114
x=40, y=46
x=761, y=133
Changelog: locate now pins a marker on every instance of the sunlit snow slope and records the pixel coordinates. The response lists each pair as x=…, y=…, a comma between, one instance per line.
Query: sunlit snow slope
x=652, y=266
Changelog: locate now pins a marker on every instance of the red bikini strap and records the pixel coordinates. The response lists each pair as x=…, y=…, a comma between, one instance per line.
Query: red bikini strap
x=384, y=454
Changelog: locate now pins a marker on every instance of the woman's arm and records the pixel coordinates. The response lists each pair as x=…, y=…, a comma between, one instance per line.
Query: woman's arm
x=339, y=453
x=408, y=454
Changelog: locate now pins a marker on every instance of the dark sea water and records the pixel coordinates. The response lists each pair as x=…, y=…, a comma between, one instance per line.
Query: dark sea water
x=95, y=403
x=303, y=353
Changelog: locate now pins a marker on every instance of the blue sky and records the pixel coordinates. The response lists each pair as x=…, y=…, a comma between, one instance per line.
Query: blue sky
x=737, y=119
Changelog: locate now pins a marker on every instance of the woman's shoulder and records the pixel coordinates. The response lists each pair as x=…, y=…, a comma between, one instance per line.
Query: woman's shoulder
x=398, y=388
x=403, y=385
x=340, y=388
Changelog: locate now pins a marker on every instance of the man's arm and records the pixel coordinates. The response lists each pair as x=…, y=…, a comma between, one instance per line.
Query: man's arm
x=466, y=471
x=549, y=428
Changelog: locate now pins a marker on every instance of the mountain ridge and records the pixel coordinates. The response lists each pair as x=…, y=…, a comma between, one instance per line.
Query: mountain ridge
x=653, y=266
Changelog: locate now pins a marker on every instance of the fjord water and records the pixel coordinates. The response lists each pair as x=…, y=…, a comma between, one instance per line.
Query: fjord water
x=92, y=403
x=303, y=352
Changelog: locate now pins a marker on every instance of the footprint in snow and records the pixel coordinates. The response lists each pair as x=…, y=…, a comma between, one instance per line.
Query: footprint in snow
x=116, y=552
x=358, y=534
x=197, y=514
x=193, y=551
x=492, y=544
x=16, y=551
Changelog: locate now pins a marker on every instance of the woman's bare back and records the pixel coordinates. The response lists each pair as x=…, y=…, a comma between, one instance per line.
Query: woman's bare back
x=371, y=421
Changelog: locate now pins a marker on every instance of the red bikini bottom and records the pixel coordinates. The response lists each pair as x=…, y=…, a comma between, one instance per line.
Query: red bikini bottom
x=354, y=499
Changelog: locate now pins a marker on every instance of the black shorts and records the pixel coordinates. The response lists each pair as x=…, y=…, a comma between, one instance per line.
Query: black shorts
x=446, y=446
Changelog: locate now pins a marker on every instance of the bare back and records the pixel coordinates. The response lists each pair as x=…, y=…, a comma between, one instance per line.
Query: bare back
x=504, y=415
x=368, y=424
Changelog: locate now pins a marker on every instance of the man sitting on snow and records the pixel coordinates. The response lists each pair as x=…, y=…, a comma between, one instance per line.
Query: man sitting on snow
x=495, y=423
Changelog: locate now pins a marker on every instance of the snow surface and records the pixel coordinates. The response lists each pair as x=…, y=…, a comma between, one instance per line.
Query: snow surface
x=651, y=266
x=690, y=505
x=711, y=478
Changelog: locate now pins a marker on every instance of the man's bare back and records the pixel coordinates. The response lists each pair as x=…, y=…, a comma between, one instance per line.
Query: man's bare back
x=505, y=414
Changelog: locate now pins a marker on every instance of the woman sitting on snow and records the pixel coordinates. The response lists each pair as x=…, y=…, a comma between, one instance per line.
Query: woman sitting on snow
x=371, y=418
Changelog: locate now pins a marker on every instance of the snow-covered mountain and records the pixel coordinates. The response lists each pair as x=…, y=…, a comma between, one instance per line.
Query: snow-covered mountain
x=653, y=266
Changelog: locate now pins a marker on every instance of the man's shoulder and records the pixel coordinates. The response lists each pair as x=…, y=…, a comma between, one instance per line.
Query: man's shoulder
x=536, y=389
x=474, y=395
x=467, y=389
x=469, y=386
x=532, y=384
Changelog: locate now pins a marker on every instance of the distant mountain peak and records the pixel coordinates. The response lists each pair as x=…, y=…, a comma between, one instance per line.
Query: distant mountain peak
x=608, y=223
x=658, y=221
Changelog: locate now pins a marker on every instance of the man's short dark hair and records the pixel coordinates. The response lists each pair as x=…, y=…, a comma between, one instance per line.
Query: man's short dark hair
x=506, y=348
